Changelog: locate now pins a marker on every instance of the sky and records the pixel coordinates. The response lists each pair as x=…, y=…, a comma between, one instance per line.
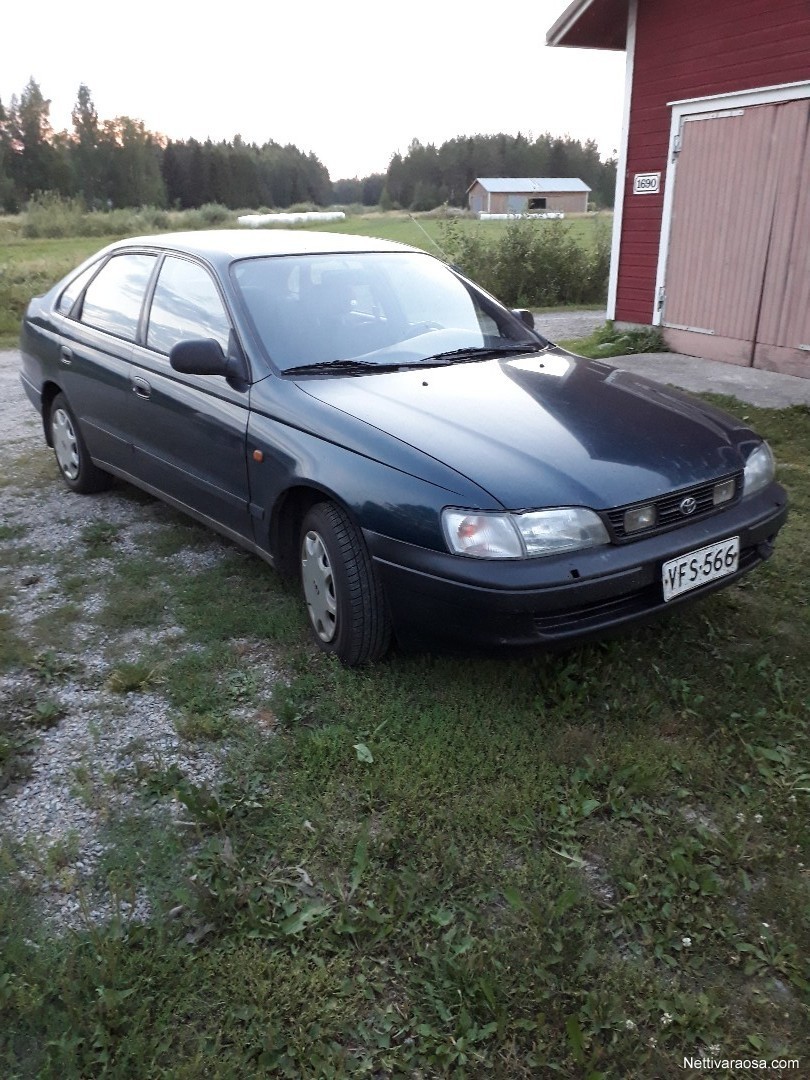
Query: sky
x=352, y=84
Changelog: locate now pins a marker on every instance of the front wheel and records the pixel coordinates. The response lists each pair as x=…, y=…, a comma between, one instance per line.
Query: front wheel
x=78, y=471
x=344, y=600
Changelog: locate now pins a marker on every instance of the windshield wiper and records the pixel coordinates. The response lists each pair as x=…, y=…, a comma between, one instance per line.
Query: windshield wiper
x=345, y=367
x=451, y=356
x=482, y=352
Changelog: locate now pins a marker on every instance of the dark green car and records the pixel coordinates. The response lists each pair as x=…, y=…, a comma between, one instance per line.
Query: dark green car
x=364, y=417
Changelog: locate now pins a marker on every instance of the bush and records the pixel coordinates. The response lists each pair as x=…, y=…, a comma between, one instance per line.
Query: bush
x=154, y=219
x=207, y=216
x=351, y=209
x=11, y=227
x=533, y=263
x=215, y=213
x=49, y=215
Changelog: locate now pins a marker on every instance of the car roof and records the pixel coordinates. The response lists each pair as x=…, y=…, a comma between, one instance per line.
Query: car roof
x=218, y=245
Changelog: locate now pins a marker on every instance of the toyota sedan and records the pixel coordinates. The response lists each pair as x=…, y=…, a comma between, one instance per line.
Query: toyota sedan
x=372, y=423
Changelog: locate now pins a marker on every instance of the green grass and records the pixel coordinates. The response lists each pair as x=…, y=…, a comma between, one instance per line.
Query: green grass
x=29, y=267
x=13, y=649
x=132, y=676
x=583, y=864
x=99, y=538
x=12, y=532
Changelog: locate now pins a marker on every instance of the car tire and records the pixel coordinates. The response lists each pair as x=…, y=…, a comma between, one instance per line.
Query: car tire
x=70, y=450
x=345, y=603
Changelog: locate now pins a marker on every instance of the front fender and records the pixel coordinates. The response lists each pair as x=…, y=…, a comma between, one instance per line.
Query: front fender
x=382, y=497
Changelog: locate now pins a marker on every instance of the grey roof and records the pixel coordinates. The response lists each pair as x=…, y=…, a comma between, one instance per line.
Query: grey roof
x=239, y=243
x=521, y=185
x=219, y=247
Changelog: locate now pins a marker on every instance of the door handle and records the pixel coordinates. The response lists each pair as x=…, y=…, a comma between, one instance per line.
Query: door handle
x=66, y=355
x=141, y=387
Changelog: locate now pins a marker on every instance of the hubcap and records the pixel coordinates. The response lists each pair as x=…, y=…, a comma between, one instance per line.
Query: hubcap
x=65, y=444
x=319, y=586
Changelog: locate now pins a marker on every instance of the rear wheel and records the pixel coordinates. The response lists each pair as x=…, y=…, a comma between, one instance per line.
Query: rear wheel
x=78, y=471
x=344, y=600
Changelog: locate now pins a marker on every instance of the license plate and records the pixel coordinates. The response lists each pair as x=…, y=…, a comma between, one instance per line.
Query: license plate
x=696, y=568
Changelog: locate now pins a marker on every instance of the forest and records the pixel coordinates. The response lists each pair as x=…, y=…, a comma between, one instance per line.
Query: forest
x=119, y=163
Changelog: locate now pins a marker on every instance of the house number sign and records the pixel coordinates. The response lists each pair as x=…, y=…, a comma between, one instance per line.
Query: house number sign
x=647, y=183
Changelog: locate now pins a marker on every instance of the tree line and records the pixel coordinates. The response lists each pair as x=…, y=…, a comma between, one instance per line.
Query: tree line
x=428, y=176
x=118, y=163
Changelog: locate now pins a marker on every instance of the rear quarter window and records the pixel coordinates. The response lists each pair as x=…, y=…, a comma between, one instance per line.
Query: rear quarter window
x=114, y=298
x=73, y=291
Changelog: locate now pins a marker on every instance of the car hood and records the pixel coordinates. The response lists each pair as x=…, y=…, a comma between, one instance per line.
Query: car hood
x=546, y=429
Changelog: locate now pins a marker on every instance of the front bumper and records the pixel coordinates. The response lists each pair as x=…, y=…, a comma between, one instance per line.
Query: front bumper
x=565, y=597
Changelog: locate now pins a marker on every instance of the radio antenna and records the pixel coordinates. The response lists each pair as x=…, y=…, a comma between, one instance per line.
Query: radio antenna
x=435, y=243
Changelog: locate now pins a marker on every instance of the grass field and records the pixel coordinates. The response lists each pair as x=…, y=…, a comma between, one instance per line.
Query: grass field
x=589, y=864
x=30, y=266
x=426, y=232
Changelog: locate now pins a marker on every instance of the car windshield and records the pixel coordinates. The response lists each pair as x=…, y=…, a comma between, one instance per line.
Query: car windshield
x=380, y=309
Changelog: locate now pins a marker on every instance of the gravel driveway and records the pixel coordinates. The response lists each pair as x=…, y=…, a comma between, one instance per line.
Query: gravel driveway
x=77, y=776
x=565, y=325
x=19, y=425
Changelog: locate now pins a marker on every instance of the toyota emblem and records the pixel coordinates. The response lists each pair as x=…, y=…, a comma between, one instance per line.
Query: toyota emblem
x=688, y=505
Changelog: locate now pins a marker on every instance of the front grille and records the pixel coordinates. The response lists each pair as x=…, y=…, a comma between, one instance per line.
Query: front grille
x=668, y=508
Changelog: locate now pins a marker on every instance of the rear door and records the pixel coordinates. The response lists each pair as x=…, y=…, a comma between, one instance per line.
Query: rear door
x=99, y=329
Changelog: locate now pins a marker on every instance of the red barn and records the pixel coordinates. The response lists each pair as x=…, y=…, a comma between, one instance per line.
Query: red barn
x=711, y=236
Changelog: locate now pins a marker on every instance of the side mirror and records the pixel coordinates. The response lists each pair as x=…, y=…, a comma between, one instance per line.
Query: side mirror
x=204, y=356
x=525, y=317
x=199, y=356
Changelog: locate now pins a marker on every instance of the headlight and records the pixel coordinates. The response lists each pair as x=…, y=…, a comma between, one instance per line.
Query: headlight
x=520, y=536
x=760, y=470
